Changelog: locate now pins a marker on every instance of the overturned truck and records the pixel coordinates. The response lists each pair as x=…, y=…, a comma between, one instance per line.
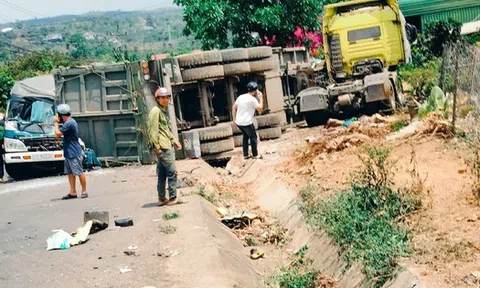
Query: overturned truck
x=111, y=101
x=365, y=41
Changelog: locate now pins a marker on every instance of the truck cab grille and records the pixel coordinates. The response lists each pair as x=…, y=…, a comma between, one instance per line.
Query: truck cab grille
x=43, y=144
x=336, y=54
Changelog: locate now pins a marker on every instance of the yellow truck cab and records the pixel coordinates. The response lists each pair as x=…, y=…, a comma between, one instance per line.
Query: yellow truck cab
x=365, y=41
x=362, y=34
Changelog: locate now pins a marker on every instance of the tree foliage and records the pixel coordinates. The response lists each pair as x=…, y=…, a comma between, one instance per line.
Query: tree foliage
x=31, y=65
x=432, y=40
x=225, y=23
x=6, y=84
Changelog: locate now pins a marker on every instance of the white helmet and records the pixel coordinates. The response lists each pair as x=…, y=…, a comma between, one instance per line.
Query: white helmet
x=64, y=109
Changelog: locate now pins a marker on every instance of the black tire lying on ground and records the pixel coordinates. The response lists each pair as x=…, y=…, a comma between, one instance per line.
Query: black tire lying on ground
x=234, y=55
x=263, y=65
x=236, y=130
x=220, y=131
x=239, y=68
x=259, y=52
x=216, y=147
x=199, y=59
x=238, y=140
x=202, y=73
x=270, y=133
x=270, y=120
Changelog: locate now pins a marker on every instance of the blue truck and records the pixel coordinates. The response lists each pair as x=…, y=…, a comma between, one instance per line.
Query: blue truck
x=31, y=147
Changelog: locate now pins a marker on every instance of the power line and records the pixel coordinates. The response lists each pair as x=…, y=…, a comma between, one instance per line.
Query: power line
x=21, y=9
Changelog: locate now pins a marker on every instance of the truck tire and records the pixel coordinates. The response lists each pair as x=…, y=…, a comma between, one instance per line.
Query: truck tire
x=316, y=118
x=216, y=147
x=220, y=131
x=259, y=52
x=239, y=68
x=238, y=140
x=262, y=65
x=234, y=55
x=270, y=133
x=202, y=73
x=199, y=59
x=268, y=121
x=236, y=130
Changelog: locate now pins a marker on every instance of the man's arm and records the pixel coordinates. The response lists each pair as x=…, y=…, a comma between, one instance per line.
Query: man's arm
x=58, y=133
x=259, y=107
x=234, y=111
x=153, y=126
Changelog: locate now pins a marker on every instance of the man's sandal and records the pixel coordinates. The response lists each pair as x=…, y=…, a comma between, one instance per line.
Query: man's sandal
x=69, y=196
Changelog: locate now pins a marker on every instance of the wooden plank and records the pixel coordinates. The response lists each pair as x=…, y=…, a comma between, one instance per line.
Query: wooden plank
x=91, y=135
x=126, y=130
x=104, y=93
x=113, y=137
x=116, y=83
x=83, y=95
x=120, y=97
x=126, y=144
x=100, y=114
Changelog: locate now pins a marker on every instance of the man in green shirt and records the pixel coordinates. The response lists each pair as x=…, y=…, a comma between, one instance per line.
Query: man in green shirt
x=163, y=142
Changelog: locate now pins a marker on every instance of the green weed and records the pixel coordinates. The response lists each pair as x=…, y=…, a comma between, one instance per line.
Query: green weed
x=364, y=219
x=210, y=197
x=397, y=126
x=299, y=274
x=171, y=216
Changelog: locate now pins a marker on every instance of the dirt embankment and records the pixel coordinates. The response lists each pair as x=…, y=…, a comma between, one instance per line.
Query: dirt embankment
x=445, y=240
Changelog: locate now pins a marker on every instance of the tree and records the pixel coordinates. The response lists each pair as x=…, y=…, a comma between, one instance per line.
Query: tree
x=224, y=23
x=432, y=40
x=6, y=84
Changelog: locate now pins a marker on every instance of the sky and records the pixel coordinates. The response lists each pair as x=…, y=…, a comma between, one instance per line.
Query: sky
x=12, y=10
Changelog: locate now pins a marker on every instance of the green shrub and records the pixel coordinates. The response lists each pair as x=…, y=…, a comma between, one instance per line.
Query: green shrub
x=364, y=219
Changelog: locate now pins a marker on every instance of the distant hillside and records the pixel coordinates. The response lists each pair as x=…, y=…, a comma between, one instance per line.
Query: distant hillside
x=95, y=35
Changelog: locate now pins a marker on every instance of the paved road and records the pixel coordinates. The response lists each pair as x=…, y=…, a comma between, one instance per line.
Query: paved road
x=30, y=210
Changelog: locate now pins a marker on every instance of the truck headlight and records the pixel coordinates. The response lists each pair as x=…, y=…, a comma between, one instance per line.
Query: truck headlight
x=13, y=145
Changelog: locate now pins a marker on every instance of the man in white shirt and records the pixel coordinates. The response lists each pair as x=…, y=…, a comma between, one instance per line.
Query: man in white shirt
x=243, y=112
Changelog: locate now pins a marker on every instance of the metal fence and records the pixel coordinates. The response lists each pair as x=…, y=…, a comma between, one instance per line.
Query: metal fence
x=460, y=79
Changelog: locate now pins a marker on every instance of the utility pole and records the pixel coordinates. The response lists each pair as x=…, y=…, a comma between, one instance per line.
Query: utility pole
x=169, y=34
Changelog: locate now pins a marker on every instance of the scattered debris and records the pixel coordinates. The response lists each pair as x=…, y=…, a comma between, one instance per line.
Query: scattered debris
x=125, y=270
x=124, y=222
x=472, y=279
x=169, y=253
x=130, y=253
x=168, y=230
x=186, y=182
x=271, y=151
x=222, y=212
x=473, y=218
x=239, y=221
x=349, y=122
x=62, y=240
x=100, y=219
x=332, y=123
x=256, y=253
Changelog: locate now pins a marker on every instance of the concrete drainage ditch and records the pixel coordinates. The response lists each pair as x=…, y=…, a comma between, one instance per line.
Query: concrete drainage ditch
x=275, y=197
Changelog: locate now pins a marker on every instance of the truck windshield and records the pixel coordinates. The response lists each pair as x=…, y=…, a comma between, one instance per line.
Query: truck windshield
x=366, y=33
x=31, y=110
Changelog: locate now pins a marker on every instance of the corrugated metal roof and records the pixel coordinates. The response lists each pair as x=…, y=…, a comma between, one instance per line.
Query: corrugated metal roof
x=463, y=15
x=422, y=7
